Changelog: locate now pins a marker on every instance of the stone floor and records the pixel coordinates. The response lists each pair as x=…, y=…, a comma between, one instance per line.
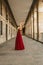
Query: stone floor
x=31, y=55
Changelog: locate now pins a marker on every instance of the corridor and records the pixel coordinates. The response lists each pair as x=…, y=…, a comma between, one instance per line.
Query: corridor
x=31, y=55
x=21, y=19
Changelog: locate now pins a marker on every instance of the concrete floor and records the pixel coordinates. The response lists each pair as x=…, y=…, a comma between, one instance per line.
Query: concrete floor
x=31, y=55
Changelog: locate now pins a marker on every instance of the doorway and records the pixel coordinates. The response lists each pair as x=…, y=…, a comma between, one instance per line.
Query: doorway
x=6, y=31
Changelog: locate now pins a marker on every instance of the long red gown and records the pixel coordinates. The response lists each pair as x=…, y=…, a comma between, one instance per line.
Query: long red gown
x=19, y=41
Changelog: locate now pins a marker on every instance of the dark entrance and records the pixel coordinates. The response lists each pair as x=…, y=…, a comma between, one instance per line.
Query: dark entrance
x=6, y=31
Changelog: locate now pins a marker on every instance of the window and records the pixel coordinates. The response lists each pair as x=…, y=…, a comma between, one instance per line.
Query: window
x=0, y=7
x=6, y=14
x=35, y=23
x=9, y=29
x=0, y=27
x=32, y=15
x=40, y=12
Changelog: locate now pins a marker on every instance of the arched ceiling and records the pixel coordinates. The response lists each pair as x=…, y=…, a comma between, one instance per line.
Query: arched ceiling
x=20, y=9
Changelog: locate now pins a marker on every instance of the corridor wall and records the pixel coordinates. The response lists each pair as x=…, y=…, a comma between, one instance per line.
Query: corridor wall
x=28, y=28
x=36, y=19
x=7, y=29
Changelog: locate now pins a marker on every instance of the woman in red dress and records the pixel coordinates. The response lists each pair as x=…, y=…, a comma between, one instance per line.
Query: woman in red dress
x=19, y=45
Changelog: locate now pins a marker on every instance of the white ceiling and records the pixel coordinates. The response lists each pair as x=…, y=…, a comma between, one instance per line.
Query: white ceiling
x=20, y=9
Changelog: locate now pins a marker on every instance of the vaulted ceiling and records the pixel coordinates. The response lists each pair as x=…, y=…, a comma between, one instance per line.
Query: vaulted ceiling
x=20, y=9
